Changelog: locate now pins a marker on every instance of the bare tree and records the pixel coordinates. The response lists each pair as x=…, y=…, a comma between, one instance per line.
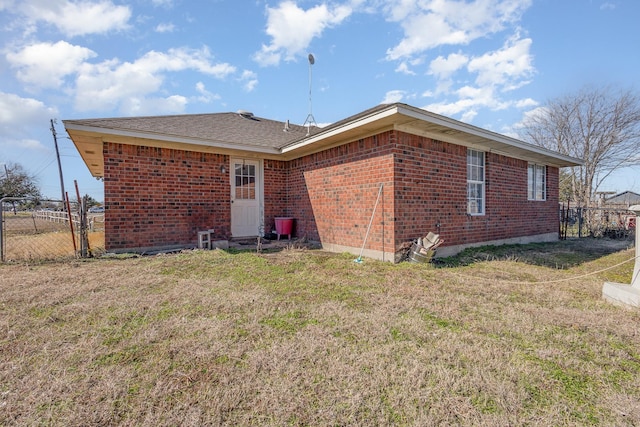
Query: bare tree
x=16, y=182
x=598, y=125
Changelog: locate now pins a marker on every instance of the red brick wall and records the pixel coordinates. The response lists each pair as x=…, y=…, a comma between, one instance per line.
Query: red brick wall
x=509, y=213
x=332, y=194
x=431, y=188
x=159, y=197
x=431, y=195
x=276, y=196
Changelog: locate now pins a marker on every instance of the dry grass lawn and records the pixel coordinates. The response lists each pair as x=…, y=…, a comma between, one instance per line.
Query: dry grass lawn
x=496, y=336
x=28, y=239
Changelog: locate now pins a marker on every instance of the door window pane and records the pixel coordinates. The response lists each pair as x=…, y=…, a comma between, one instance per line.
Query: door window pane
x=245, y=182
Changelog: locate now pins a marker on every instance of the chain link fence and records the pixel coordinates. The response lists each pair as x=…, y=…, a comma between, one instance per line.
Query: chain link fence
x=39, y=230
x=596, y=222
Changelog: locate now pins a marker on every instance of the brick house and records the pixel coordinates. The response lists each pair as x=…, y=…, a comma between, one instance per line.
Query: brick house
x=167, y=177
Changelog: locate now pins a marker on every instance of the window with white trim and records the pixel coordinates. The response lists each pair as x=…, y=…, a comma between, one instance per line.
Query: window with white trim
x=537, y=182
x=475, y=182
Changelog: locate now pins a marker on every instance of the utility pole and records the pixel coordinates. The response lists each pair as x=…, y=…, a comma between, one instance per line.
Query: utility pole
x=55, y=142
x=13, y=203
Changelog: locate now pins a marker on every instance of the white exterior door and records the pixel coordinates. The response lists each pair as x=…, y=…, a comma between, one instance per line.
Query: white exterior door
x=246, y=197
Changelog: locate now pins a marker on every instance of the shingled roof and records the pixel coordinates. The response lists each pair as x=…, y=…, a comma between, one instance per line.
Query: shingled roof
x=627, y=198
x=231, y=128
x=243, y=133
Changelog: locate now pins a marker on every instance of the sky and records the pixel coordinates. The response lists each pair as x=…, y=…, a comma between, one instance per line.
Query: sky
x=483, y=62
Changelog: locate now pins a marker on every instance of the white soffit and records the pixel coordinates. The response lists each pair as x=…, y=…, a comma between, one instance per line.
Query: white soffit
x=424, y=123
x=449, y=130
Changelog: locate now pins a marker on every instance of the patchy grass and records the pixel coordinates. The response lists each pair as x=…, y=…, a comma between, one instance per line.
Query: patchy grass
x=501, y=336
x=561, y=255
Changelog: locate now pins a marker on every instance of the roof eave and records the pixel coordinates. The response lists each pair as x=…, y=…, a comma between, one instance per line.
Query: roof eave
x=419, y=121
x=555, y=158
x=398, y=116
x=331, y=131
x=89, y=140
x=148, y=136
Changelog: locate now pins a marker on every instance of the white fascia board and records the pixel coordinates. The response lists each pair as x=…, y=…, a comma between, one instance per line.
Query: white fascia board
x=483, y=133
x=338, y=130
x=168, y=138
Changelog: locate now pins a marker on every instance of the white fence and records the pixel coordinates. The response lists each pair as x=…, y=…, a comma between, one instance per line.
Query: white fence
x=56, y=216
x=63, y=218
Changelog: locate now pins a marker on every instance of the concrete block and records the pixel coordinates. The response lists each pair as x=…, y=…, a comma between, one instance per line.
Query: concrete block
x=220, y=244
x=621, y=294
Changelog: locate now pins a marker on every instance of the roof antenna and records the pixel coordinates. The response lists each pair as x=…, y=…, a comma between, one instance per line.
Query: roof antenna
x=310, y=121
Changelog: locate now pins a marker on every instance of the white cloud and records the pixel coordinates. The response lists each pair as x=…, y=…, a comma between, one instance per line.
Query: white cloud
x=443, y=68
x=527, y=116
x=182, y=59
x=250, y=80
x=205, y=95
x=471, y=99
x=29, y=146
x=534, y=113
x=110, y=84
x=165, y=28
x=105, y=85
x=469, y=115
x=526, y=103
x=417, y=40
x=77, y=18
x=134, y=106
x=494, y=73
x=433, y=23
x=394, y=96
x=404, y=69
x=46, y=64
x=451, y=108
x=483, y=96
x=508, y=67
x=18, y=116
x=399, y=10
x=292, y=29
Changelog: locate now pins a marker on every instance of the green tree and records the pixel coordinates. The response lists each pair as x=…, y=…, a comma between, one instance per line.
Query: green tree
x=601, y=126
x=16, y=182
x=91, y=201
